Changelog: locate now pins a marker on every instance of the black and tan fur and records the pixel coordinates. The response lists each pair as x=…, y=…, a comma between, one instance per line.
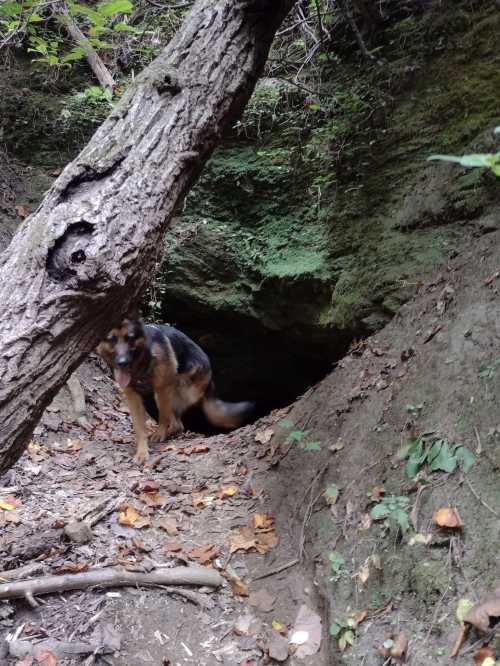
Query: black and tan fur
x=161, y=361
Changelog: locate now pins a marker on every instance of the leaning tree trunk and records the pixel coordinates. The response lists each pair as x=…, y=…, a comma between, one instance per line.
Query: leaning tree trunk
x=82, y=259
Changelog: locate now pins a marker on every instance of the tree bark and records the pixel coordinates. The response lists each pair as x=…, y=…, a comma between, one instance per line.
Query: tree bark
x=80, y=262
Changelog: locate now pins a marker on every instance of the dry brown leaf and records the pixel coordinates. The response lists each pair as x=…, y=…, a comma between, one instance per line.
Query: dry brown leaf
x=262, y=600
x=142, y=521
x=22, y=210
x=483, y=611
x=238, y=586
x=355, y=392
x=364, y=573
x=265, y=541
x=261, y=521
x=377, y=492
x=169, y=524
x=227, y=491
x=361, y=616
x=153, y=498
x=149, y=486
x=365, y=522
x=204, y=553
x=400, y=646
x=71, y=567
x=12, y=517
x=242, y=539
x=447, y=517
x=6, y=506
x=46, y=658
x=127, y=516
x=172, y=547
x=140, y=545
x=264, y=436
x=482, y=654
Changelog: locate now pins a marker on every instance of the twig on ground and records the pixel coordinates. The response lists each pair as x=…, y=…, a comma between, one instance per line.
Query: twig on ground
x=25, y=571
x=487, y=506
x=479, y=449
x=111, y=577
x=310, y=507
x=277, y=569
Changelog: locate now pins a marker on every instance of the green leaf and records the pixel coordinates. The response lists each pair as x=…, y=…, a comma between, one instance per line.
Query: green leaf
x=312, y=446
x=465, y=458
x=335, y=629
x=35, y=18
x=479, y=160
x=100, y=44
x=434, y=451
x=336, y=560
x=124, y=27
x=286, y=423
x=445, y=461
x=348, y=636
x=379, y=511
x=295, y=436
x=401, y=518
x=115, y=7
x=332, y=492
x=91, y=14
x=10, y=8
x=76, y=53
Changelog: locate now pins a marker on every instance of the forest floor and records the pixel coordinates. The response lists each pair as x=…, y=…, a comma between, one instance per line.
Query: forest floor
x=283, y=507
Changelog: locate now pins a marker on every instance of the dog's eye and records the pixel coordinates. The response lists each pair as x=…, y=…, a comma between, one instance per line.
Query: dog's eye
x=129, y=338
x=112, y=339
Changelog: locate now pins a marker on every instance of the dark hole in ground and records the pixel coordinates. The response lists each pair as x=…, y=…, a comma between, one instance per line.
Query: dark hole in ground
x=250, y=362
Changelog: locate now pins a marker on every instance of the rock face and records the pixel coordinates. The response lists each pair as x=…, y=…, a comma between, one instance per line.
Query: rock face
x=313, y=223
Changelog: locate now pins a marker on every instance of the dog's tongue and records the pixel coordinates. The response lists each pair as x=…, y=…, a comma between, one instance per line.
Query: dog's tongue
x=122, y=377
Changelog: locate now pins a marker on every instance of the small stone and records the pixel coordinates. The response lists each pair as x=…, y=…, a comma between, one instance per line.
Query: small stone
x=278, y=647
x=78, y=531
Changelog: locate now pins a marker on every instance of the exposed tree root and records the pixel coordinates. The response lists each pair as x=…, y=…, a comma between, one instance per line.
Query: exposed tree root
x=111, y=577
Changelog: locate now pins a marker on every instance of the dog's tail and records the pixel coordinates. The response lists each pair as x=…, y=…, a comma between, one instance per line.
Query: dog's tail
x=226, y=414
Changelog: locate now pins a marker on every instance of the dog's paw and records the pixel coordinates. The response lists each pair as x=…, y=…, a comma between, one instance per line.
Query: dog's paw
x=141, y=456
x=159, y=435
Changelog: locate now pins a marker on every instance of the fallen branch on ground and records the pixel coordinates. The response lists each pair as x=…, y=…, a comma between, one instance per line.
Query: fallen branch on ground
x=111, y=577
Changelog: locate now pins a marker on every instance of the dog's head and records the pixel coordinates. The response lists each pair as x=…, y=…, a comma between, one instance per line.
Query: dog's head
x=123, y=348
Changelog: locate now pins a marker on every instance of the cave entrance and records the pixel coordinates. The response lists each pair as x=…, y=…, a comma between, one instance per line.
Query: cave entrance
x=272, y=368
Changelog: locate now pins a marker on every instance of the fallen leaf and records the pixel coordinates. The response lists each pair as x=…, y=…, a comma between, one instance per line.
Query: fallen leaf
x=227, y=491
x=25, y=661
x=483, y=611
x=153, y=499
x=238, y=586
x=355, y=392
x=140, y=545
x=6, y=506
x=420, y=539
x=447, y=517
x=149, y=486
x=279, y=626
x=306, y=632
x=262, y=600
x=203, y=554
x=169, y=524
x=13, y=517
x=492, y=278
x=242, y=539
x=172, y=547
x=247, y=625
x=364, y=573
x=127, y=516
x=377, y=492
x=365, y=522
x=265, y=541
x=71, y=567
x=400, y=646
x=264, y=436
x=22, y=210
x=483, y=654
x=46, y=658
x=261, y=521
x=361, y=616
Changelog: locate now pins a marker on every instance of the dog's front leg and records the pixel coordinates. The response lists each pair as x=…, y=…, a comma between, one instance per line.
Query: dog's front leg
x=168, y=423
x=138, y=414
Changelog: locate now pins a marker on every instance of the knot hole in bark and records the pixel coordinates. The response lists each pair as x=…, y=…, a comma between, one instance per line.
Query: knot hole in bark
x=69, y=251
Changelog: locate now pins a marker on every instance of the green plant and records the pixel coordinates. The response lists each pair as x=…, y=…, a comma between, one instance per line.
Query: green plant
x=414, y=410
x=343, y=630
x=393, y=510
x=489, y=371
x=299, y=436
x=437, y=453
x=337, y=564
x=485, y=160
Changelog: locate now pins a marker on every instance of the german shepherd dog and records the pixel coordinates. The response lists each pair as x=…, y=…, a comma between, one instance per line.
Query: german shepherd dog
x=158, y=360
